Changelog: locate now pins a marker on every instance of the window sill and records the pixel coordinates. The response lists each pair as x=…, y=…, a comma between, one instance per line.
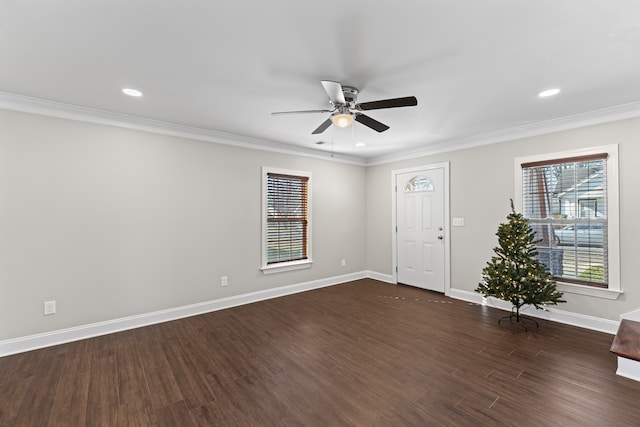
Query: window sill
x=286, y=266
x=588, y=290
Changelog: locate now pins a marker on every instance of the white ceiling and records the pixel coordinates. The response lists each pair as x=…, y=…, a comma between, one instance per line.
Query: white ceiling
x=222, y=67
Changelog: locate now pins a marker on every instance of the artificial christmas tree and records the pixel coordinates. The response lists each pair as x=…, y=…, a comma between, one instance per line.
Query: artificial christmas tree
x=515, y=273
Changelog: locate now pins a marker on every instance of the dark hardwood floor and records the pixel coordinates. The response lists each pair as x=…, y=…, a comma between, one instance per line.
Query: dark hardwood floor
x=364, y=353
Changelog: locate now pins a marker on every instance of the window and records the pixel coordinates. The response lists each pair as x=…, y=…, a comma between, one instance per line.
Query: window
x=419, y=184
x=571, y=202
x=286, y=220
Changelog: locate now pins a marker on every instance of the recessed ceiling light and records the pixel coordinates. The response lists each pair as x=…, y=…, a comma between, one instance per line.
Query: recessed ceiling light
x=549, y=92
x=131, y=92
x=360, y=144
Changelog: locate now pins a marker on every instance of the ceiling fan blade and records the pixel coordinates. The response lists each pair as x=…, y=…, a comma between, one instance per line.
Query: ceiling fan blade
x=372, y=123
x=322, y=127
x=408, y=101
x=334, y=90
x=282, y=113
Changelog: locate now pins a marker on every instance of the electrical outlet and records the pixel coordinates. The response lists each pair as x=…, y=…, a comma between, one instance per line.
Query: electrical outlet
x=343, y=262
x=224, y=281
x=49, y=307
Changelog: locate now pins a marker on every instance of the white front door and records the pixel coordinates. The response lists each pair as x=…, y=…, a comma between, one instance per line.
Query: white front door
x=420, y=229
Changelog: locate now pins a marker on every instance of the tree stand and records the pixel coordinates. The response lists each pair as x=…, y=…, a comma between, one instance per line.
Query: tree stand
x=519, y=319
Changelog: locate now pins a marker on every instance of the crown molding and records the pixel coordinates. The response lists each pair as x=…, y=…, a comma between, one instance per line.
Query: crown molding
x=44, y=107
x=590, y=118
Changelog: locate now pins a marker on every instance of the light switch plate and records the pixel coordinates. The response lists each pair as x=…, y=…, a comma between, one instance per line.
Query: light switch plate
x=458, y=222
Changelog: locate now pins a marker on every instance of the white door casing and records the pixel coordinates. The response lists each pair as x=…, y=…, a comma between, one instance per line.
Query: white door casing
x=421, y=227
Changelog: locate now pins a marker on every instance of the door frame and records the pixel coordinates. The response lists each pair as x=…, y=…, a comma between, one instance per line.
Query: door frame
x=447, y=221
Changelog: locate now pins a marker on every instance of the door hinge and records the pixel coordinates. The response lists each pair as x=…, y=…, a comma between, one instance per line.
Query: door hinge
x=396, y=268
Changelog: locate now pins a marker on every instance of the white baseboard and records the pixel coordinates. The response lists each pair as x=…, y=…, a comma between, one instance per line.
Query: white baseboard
x=553, y=314
x=628, y=368
x=632, y=315
x=47, y=339
x=388, y=278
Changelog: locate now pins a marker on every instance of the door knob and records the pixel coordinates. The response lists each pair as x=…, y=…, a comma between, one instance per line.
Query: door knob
x=440, y=237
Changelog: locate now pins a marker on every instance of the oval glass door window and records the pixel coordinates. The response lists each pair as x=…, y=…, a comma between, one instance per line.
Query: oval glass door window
x=419, y=183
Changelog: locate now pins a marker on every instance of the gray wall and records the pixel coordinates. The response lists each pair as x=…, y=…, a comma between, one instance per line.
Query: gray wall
x=111, y=222
x=482, y=181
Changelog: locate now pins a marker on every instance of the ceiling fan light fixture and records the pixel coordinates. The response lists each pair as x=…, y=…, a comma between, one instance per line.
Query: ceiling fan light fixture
x=342, y=120
x=346, y=109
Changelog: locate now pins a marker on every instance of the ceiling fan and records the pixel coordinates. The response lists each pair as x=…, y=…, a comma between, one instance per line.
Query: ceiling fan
x=345, y=108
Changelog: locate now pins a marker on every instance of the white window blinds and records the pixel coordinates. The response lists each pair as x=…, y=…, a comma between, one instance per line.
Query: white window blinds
x=287, y=218
x=565, y=201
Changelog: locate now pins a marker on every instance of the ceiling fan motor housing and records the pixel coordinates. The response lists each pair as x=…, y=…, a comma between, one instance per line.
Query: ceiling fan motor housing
x=350, y=95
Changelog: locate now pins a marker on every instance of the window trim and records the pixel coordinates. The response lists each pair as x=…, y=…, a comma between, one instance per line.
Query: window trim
x=286, y=265
x=614, y=289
